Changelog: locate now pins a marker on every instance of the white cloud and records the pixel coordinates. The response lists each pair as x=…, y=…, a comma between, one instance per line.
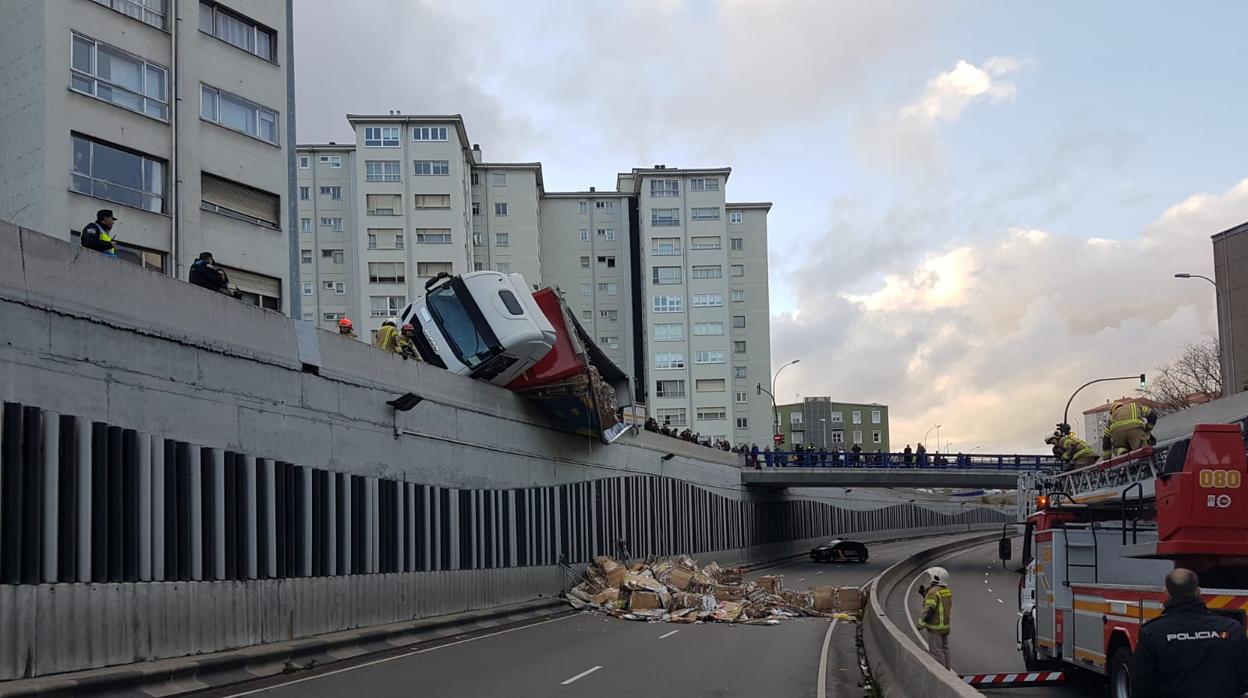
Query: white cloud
x=950, y=92
x=988, y=338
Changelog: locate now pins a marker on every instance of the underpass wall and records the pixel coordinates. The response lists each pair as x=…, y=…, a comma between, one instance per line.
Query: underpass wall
x=181, y=473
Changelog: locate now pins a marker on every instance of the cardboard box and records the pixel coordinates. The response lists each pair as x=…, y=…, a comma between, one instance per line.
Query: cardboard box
x=728, y=594
x=850, y=599
x=606, y=597
x=680, y=578
x=614, y=572
x=644, y=600
x=825, y=599
x=773, y=583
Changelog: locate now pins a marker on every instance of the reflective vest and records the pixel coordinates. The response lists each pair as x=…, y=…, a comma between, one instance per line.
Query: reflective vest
x=1126, y=415
x=1074, y=448
x=937, y=605
x=103, y=240
x=385, y=338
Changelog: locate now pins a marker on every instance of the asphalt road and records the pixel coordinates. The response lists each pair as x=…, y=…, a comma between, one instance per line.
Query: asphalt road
x=592, y=654
x=985, y=608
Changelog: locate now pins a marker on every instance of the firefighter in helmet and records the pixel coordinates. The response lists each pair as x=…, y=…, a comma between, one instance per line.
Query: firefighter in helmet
x=386, y=335
x=936, y=614
x=346, y=329
x=1071, y=450
x=1130, y=427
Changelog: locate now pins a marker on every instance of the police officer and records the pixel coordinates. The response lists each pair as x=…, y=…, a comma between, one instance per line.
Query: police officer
x=937, y=612
x=98, y=235
x=1189, y=651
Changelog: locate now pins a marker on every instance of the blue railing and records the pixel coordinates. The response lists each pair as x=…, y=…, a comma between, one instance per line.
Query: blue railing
x=923, y=461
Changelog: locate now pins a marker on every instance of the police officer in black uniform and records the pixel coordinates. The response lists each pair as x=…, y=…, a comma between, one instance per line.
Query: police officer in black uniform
x=1189, y=651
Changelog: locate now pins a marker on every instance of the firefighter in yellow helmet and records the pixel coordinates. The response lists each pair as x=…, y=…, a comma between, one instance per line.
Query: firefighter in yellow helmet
x=1071, y=450
x=1130, y=427
x=937, y=613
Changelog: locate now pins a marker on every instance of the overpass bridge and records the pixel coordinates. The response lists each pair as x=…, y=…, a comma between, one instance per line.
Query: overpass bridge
x=779, y=469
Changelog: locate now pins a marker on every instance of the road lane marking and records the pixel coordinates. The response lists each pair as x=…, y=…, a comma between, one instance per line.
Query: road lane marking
x=823, y=660
x=1000, y=601
x=989, y=590
x=668, y=634
x=398, y=656
x=581, y=675
x=906, y=601
x=802, y=579
x=819, y=572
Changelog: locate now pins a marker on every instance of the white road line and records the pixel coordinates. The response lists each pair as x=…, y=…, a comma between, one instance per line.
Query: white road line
x=909, y=615
x=802, y=579
x=581, y=675
x=823, y=660
x=1000, y=601
x=668, y=634
x=989, y=590
x=397, y=656
x=819, y=572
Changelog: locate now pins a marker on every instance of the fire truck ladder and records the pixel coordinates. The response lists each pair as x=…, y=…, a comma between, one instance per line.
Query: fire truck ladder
x=1107, y=481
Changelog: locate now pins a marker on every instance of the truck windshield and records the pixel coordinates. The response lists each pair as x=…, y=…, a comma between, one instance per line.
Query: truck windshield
x=458, y=325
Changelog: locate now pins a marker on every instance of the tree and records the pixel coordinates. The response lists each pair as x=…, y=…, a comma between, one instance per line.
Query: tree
x=1194, y=377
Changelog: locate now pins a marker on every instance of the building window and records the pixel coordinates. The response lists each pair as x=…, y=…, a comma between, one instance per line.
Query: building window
x=502, y=239
x=305, y=225
x=587, y=315
x=743, y=422
x=857, y=437
x=119, y=78
x=607, y=206
x=738, y=372
x=607, y=261
x=734, y=216
x=500, y=209
x=875, y=417
x=382, y=171
x=477, y=239
x=610, y=289
x=381, y=137
x=305, y=256
x=432, y=167
x=798, y=437
x=146, y=11
x=738, y=347
x=433, y=201
x=711, y=271
x=664, y=188
x=712, y=413
x=708, y=300
x=738, y=295
x=334, y=224
x=710, y=385
x=609, y=315
x=498, y=179
x=664, y=217
x=705, y=242
x=609, y=342
x=309, y=317
x=307, y=285
x=838, y=437
x=704, y=184
x=665, y=276
x=334, y=193
x=669, y=389
x=838, y=417
x=334, y=161
x=708, y=329
x=335, y=256
x=584, y=233
x=738, y=322
x=584, y=289
x=669, y=332
x=667, y=359
x=330, y=317
x=386, y=273
x=238, y=30
x=668, y=304
x=670, y=416
x=795, y=418
x=582, y=208
x=478, y=266
x=738, y=270
x=857, y=416
x=430, y=269
x=433, y=236
x=428, y=133
x=741, y=397
x=305, y=162
x=877, y=437
x=606, y=233
x=386, y=306
x=305, y=193
x=584, y=262
x=475, y=180
x=385, y=239
x=383, y=204
x=338, y=287
x=708, y=357
x=117, y=175
x=704, y=214
x=665, y=247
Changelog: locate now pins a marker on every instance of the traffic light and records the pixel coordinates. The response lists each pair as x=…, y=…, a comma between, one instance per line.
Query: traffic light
x=778, y=438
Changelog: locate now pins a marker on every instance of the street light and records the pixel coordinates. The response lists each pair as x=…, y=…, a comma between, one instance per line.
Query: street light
x=1065, y=425
x=937, y=426
x=1196, y=276
x=774, y=413
x=823, y=433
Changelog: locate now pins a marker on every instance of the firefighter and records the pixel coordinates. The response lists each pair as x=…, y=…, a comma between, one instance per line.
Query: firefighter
x=1188, y=650
x=1071, y=450
x=404, y=345
x=1130, y=427
x=937, y=612
x=386, y=336
x=346, y=329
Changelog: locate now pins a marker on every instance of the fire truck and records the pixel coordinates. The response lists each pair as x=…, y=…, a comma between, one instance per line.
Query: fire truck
x=1098, y=541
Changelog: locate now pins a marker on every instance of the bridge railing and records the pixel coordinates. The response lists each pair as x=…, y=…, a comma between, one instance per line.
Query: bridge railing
x=922, y=461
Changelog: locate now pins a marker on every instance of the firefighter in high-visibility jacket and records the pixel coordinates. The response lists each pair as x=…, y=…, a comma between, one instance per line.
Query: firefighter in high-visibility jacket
x=1072, y=451
x=1130, y=427
x=936, y=614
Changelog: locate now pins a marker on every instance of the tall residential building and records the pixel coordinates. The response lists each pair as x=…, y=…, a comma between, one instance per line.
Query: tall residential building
x=175, y=114
x=667, y=275
x=1230, y=264
x=823, y=423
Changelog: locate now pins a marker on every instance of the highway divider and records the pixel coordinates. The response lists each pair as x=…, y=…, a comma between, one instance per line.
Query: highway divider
x=901, y=666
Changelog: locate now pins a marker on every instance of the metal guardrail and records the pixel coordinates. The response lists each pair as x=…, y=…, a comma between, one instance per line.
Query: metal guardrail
x=925, y=461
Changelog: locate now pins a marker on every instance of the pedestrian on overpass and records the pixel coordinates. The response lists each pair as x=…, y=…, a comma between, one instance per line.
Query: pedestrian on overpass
x=1188, y=650
x=907, y=456
x=936, y=614
x=921, y=453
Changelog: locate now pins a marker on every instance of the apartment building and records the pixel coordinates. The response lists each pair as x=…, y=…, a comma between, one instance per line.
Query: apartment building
x=506, y=234
x=824, y=423
x=175, y=114
x=329, y=247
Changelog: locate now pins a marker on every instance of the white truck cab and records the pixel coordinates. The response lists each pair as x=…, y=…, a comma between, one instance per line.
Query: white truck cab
x=484, y=324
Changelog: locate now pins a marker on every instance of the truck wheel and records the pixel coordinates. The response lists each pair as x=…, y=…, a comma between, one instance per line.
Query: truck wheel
x=1120, y=673
x=1031, y=660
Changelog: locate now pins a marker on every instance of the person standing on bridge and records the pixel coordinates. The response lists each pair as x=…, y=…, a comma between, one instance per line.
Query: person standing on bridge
x=1130, y=425
x=907, y=456
x=937, y=612
x=1188, y=650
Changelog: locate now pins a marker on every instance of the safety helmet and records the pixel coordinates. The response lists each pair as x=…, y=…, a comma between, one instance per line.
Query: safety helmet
x=937, y=575
x=1051, y=440
x=344, y=323
x=407, y=327
x=388, y=321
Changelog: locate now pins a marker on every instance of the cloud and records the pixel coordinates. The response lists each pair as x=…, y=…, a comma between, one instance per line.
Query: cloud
x=989, y=337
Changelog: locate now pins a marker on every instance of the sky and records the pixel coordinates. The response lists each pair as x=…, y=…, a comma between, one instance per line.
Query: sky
x=977, y=206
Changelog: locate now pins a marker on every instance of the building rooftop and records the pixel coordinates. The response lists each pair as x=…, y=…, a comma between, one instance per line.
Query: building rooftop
x=587, y=194
x=457, y=120
x=638, y=172
x=513, y=166
x=1232, y=231
x=764, y=205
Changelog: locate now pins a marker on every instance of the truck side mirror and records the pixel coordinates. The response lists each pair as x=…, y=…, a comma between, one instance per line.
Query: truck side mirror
x=1005, y=549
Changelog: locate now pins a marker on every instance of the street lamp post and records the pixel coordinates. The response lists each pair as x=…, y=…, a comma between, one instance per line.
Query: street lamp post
x=929, y=431
x=1196, y=276
x=1066, y=412
x=775, y=414
x=823, y=433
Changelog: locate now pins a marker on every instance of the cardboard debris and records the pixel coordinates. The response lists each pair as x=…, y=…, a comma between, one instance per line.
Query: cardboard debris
x=644, y=601
x=773, y=583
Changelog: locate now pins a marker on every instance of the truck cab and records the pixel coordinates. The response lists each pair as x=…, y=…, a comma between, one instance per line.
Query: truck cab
x=484, y=325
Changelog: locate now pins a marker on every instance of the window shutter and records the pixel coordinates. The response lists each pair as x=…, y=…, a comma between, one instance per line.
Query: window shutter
x=241, y=199
x=249, y=282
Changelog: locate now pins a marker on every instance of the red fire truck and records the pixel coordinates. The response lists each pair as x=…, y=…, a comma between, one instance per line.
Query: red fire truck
x=1102, y=538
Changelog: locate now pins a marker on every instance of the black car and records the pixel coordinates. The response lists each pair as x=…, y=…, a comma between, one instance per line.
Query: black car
x=840, y=550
